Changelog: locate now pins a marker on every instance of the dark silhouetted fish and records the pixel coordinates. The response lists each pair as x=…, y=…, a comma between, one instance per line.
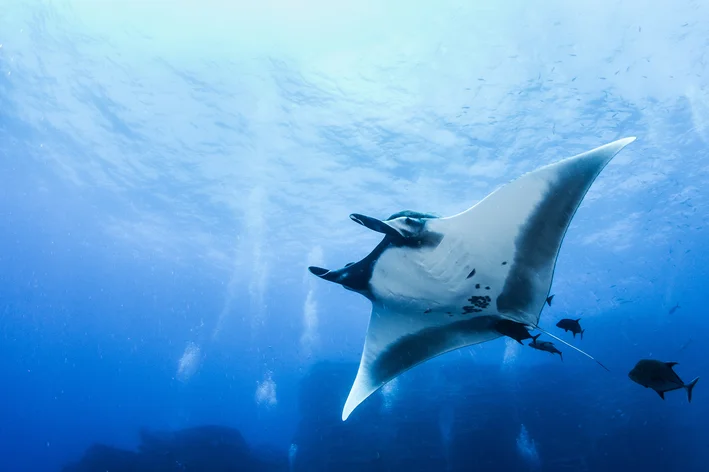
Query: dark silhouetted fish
x=674, y=308
x=512, y=329
x=571, y=325
x=660, y=377
x=545, y=346
x=685, y=345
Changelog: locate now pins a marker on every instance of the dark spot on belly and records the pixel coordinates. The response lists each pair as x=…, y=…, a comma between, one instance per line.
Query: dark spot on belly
x=487, y=288
x=477, y=304
x=477, y=285
x=504, y=263
x=471, y=274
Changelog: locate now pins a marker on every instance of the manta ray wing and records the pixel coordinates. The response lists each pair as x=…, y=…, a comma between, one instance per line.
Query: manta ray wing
x=396, y=342
x=493, y=261
x=516, y=232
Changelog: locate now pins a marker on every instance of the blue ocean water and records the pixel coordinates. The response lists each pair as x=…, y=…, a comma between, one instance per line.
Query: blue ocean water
x=169, y=170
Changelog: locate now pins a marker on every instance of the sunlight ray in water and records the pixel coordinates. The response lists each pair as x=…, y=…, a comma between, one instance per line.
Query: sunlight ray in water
x=189, y=362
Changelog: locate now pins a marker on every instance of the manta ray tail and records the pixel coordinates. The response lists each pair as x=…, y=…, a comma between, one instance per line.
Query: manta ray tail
x=572, y=347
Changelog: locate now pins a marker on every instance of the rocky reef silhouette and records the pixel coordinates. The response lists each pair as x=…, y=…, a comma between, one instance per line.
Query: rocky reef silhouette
x=204, y=448
x=451, y=417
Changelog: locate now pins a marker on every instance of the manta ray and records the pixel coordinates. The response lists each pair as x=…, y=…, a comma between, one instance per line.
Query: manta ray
x=437, y=284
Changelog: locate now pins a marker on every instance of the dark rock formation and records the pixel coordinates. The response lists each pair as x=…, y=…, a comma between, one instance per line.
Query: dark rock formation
x=447, y=417
x=205, y=448
x=463, y=416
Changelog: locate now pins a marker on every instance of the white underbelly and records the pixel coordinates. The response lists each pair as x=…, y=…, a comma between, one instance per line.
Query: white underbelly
x=437, y=279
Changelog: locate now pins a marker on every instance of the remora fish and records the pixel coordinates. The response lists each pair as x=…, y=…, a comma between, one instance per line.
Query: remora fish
x=512, y=329
x=545, y=346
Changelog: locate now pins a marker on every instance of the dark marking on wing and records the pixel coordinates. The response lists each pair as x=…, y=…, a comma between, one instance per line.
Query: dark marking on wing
x=415, y=348
x=538, y=241
x=471, y=274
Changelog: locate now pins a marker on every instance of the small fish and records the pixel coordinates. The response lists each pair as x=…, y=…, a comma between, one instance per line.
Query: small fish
x=660, y=377
x=544, y=346
x=571, y=325
x=512, y=329
x=684, y=346
x=674, y=308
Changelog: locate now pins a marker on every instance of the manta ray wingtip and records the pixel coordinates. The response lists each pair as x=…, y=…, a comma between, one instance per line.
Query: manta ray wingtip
x=349, y=407
x=619, y=144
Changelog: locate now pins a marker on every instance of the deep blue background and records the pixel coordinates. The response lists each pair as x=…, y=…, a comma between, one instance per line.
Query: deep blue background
x=167, y=173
